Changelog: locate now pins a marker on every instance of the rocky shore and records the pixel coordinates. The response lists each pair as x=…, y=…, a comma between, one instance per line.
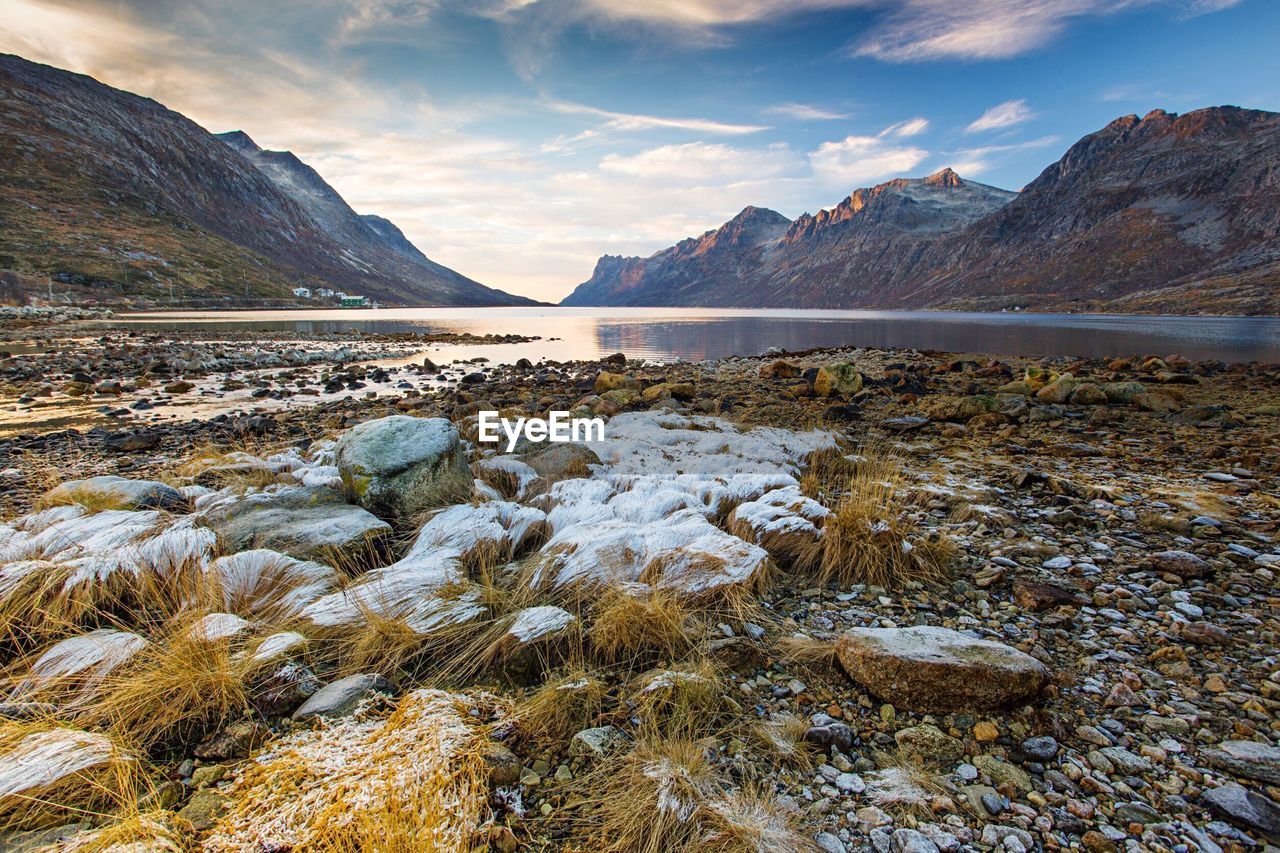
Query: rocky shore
x=832, y=600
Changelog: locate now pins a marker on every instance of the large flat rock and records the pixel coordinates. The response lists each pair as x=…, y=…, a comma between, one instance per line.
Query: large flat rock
x=937, y=669
x=306, y=522
x=399, y=466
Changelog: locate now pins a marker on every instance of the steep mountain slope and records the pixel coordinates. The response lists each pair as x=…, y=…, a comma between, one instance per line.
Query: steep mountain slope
x=689, y=271
x=103, y=188
x=1164, y=213
x=370, y=243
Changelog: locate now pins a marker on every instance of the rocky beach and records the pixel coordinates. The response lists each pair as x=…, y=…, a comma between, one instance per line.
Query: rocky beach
x=829, y=600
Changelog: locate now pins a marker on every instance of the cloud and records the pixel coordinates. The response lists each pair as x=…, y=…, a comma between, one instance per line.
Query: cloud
x=701, y=162
x=974, y=161
x=1001, y=115
x=803, y=112
x=910, y=127
x=861, y=160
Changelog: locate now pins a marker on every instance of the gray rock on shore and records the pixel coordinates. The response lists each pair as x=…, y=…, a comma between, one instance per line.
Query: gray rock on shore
x=306, y=522
x=937, y=669
x=398, y=466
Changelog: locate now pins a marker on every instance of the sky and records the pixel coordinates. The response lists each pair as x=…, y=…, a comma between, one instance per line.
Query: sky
x=518, y=140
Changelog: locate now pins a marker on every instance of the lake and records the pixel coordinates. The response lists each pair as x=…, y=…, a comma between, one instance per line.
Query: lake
x=665, y=334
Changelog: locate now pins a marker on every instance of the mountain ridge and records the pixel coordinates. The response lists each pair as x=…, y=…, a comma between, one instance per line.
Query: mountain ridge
x=1160, y=213
x=135, y=202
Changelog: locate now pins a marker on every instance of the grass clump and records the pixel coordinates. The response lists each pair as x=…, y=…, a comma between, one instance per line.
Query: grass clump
x=781, y=739
x=867, y=538
x=633, y=625
x=562, y=706
x=684, y=701
x=751, y=820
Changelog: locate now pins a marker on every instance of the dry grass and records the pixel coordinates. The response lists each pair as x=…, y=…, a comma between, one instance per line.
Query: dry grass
x=905, y=787
x=96, y=776
x=682, y=702
x=93, y=500
x=806, y=650
x=781, y=740
x=416, y=780
x=652, y=799
x=632, y=627
x=173, y=691
x=751, y=820
x=138, y=831
x=562, y=706
x=826, y=472
x=867, y=538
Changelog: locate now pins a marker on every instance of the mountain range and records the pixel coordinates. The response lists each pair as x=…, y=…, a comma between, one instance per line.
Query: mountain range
x=131, y=201
x=1165, y=213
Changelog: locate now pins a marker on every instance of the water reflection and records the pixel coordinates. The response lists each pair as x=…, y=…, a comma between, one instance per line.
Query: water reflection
x=665, y=334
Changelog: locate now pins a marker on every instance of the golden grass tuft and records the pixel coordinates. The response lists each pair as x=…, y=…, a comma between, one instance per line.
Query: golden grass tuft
x=138, y=831
x=561, y=707
x=651, y=799
x=904, y=787
x=806, y=650
x=95, y=774
x=415, y=780
x=751, y=820
x=173, y=691
x=681, y=702
x=867, y=538
x=781, y=740
x=630, y=626
x=826, y=472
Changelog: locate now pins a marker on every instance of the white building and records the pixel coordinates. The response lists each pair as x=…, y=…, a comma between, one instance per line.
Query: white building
x=302, y=292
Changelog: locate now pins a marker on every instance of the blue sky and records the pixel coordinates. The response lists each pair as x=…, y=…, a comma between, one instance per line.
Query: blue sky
x=517, y=140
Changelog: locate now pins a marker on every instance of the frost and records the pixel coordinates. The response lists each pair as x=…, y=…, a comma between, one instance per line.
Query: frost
x=522, y=472
x=277, y=646
x=86, y=659
x=213, y=627
x=42, y=759
x=534, y=623
x=263, y=582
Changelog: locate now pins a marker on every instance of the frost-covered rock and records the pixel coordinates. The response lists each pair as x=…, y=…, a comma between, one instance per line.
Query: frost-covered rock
x=306, y=522
x=215, y=627
x=399, y=466
x=77, y=665
x=62, y=765
x=927, y=668
x=267, y=584
x=279, y=645
x=111, y=492
x=507, y=475
x=783, y=521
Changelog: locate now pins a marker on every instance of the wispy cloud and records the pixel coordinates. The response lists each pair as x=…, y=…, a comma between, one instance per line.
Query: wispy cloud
x=804, y=112
x=974, y=161
x=859, y=160
x=1002, y=115
x=703, y=162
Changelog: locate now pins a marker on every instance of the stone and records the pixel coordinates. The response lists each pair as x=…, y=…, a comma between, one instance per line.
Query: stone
x=306, y=522
x=203, y=809
x=1059, y=390
x=399, y=466
x=831, y=734
x=1246, y=758
x=930, y=743
x=111, y=492
x=976, y=405
x=1037, y=595
x=284, y=689
x=606, y=381
x=1159, y=403
x=1244, y=807
x=779, y=369
x=233, y=742
x=927, y=668
x=1184, y=564
x=829, y=843
x=1041, y=749
x=911, y=841
x=340, y=698
x=1123, y=392
x=503, y=765
x=837, y=379
x=1088, y=394
x=597, y=742
x=560, y=461
x=1003, y=773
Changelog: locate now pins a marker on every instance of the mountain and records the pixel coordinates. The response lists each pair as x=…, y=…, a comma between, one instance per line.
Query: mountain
x=134, y=202
x=1165, y=213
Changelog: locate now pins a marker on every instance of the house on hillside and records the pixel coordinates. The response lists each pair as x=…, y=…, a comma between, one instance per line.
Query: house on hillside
x=302, y=292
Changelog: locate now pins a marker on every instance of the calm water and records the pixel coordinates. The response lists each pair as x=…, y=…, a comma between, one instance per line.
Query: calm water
x=664, y=334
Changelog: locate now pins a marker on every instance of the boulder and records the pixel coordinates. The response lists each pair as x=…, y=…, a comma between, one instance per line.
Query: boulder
x=598, y=742
x=779, y=370
x=340, y=698
x=1244, y=807
x=1059, y=390
x=1088, y=394
x=1123, y=392
x=606, y=381
x=307, y=522
x=1184, y=564
x=1247, y=758
x=837, y=379
x=927, y=668
x=398, y=466
x=111, y=492
x=560, y=461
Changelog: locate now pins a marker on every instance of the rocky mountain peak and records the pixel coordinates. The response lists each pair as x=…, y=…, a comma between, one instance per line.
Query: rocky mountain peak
x=240, y=141
x=944, y=177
